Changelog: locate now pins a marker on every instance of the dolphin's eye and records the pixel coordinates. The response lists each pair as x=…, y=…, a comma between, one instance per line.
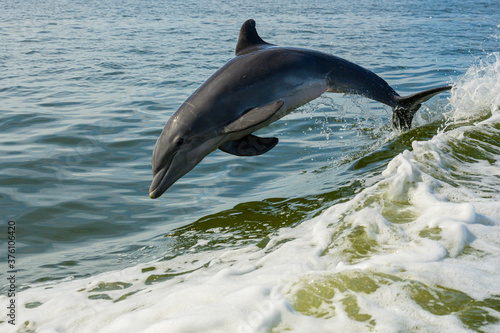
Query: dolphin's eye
x=179, y=142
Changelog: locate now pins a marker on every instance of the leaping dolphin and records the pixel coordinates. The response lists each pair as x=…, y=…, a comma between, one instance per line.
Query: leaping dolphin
x=262, y=84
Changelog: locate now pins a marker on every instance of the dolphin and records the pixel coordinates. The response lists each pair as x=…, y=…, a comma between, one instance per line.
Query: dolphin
x=262, y=84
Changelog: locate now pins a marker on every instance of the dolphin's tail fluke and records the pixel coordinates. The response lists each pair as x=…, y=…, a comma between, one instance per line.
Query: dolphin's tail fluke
x=402, y=114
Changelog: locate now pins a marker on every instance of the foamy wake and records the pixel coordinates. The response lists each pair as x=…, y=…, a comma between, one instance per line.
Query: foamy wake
x=417, y=251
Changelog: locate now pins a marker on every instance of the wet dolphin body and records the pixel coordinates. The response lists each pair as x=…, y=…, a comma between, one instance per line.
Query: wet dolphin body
x=260, y=85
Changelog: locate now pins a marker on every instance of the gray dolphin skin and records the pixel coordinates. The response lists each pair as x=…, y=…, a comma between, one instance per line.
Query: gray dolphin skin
x=262, y=84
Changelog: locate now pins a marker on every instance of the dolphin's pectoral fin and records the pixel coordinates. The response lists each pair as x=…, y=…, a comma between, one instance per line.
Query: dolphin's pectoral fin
x=253, y=117
x=249, y=145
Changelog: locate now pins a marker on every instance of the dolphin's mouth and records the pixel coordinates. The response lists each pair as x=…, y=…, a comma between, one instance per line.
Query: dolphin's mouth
x=155, y=190
x=177, y=164
x=162, y=180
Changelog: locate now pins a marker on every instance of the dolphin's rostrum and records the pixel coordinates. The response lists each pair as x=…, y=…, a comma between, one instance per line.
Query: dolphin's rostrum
x=262, y=84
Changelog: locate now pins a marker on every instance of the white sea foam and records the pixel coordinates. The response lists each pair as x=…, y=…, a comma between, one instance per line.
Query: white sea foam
x=417, y=251
x=478, y=91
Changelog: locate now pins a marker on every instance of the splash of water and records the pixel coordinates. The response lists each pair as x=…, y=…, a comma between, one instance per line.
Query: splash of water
x=477, y=93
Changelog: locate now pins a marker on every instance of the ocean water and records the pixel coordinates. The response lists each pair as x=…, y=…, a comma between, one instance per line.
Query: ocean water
x=345, y=226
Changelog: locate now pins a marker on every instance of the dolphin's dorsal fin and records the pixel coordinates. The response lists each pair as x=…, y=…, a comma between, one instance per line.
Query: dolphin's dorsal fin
x=253, y=117
x=249, y=38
